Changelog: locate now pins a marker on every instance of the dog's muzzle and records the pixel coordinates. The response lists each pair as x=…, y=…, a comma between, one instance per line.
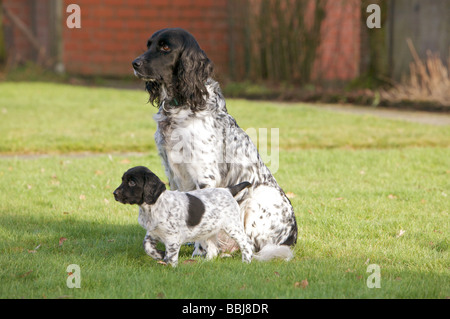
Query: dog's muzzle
x=116, y=195
x=137, y=63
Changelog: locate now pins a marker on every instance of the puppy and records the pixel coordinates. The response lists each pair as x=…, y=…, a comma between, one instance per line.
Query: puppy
x=175, y=218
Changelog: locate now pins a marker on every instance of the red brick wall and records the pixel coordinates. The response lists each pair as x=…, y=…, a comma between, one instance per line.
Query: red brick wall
x=114, y=32
x=338, y=56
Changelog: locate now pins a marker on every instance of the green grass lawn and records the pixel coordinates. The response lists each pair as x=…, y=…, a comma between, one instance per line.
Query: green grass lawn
x=38, y=118
x=365, y=191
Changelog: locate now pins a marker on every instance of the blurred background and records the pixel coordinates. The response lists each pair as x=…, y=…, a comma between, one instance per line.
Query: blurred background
x=309, y=50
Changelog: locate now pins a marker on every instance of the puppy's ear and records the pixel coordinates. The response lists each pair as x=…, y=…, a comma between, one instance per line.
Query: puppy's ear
x=153, y=188
x=193, y=69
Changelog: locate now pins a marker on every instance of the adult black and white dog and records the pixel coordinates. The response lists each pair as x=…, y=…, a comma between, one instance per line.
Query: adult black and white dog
x=201, y=145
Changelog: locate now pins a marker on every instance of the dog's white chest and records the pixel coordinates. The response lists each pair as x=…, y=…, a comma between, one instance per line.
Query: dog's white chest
x=188, y=143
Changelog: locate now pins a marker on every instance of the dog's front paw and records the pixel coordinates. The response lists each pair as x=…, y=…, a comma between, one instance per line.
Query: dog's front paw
x=150, y=249
x=166, y=261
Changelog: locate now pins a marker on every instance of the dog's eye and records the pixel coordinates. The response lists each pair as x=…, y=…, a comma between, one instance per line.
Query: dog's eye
x=165, y=47
x=131, y=183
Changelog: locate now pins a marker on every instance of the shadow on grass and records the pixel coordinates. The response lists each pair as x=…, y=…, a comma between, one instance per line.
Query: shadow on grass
x=67, y=234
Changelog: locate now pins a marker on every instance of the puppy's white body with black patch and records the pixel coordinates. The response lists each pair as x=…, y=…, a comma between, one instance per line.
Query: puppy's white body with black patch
x=175, y=217
x=193, y=216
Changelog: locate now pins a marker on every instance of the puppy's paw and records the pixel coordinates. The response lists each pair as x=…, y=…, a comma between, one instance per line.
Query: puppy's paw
x=199, y=250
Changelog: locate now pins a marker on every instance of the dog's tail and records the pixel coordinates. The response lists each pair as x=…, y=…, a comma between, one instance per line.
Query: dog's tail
x=271, y=251
x=234, y=190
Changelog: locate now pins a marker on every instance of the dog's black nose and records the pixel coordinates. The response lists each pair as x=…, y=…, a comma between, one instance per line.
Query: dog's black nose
x=137, y=63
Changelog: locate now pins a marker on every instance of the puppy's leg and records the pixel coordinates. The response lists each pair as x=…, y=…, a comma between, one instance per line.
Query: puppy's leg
x=205, y=180
x=150, y=247
x=199, y=249
x=211, y=247
x=172, y=250
x=236, y=232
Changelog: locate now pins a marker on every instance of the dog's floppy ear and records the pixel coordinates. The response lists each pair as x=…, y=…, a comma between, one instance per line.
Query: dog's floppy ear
x=154, y=90
x=153, y=188
x=193, y=69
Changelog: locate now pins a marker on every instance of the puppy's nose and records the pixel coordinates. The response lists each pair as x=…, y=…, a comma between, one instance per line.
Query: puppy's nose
x=116, y=193
x=137, y=63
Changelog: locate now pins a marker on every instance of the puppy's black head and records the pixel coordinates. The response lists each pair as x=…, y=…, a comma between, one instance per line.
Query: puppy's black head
x=139, y=185
x=175, y=61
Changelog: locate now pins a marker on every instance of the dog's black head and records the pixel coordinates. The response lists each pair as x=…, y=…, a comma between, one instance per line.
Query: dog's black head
x=174, y=60
x=139, y=185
